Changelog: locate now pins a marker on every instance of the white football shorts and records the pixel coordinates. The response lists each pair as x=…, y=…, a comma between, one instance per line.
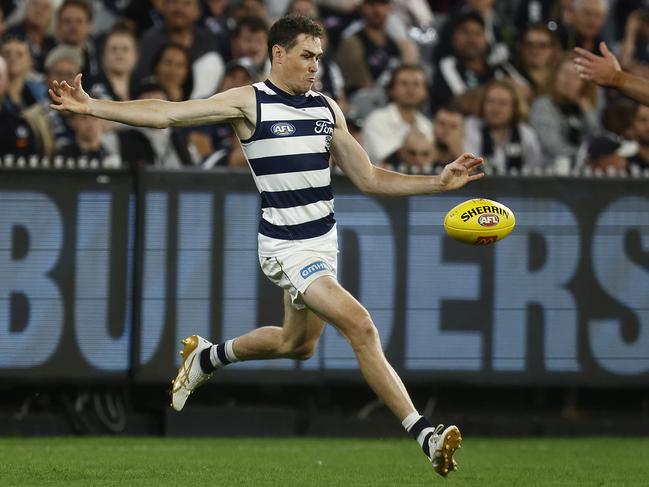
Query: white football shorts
x=297, y=270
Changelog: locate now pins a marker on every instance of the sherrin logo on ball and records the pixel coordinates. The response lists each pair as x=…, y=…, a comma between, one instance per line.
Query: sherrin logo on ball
x=479, y=221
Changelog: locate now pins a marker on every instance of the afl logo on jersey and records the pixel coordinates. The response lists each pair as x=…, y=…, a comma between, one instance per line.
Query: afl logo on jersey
x=282, y=128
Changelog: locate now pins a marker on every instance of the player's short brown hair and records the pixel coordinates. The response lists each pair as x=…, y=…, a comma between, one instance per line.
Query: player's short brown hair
x=284, y=32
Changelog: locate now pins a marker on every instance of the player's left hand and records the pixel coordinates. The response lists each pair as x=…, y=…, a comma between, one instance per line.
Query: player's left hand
x=461, y=171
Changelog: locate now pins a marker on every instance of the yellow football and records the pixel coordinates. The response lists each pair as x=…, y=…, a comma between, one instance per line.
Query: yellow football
x=479, y=221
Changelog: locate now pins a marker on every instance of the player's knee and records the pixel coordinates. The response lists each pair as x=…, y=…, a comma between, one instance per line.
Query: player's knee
x=362, y=330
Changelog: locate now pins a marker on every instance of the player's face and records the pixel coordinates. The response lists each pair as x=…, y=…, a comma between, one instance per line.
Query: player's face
x=300, y=63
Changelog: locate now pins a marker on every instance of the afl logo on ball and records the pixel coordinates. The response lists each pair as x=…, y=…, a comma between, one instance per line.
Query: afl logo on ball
x=282, y=128
x=488, y=220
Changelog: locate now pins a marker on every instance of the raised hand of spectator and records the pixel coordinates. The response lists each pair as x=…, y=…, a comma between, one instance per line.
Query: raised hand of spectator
x=69, y=98
x=600, y=69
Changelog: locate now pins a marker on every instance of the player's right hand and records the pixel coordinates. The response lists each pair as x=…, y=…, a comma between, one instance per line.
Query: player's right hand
x=69, y=98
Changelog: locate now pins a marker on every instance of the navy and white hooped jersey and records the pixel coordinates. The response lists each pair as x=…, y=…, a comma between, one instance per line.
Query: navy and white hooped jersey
x=288, y=154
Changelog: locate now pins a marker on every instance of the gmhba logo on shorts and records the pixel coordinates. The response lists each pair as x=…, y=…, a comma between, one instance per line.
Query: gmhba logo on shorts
x=313, y=268
x=282, y=128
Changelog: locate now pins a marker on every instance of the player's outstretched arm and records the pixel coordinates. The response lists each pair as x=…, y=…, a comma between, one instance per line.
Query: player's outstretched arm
x=355, y=163
x=152, y=113
x=605, y=70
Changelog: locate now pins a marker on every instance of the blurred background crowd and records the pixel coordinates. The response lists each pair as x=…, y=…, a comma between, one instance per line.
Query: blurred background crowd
x=420, y=81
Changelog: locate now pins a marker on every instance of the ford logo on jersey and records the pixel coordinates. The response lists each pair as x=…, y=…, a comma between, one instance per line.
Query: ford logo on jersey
x=282, y=128
x=318, y=266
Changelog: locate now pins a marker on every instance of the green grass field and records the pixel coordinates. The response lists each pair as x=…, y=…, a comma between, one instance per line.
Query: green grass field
x=193, y=462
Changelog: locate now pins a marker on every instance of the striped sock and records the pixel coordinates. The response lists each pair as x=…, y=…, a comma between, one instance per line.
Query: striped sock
x=217, y=356
x=420, y=429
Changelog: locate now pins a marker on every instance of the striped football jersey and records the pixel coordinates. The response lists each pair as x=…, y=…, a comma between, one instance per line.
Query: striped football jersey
x=288, y=154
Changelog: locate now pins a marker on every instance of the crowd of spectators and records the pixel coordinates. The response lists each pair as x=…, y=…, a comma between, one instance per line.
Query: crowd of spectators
x=420, y=81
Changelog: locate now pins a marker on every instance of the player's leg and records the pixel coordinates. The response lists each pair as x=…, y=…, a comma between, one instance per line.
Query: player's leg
x=332, y=302
x=296, y=339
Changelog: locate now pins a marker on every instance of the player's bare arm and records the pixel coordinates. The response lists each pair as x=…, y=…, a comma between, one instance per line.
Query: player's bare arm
x=367, y=177
x=238, y=103
x=605, y=70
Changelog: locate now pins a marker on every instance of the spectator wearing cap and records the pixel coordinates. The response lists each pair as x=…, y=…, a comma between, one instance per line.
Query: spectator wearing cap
x=640, y=134
x=24, y=90
x=51, y=127
x=73, y=27
x=250, y=40
x=500, y=133
x=367, y=56
x=180, y=27
x=605, y=152
x=461, y=73
x=385, y=128
x=217, y=144
x=567, y=114
x=16, y=136
x=119, y=57
x=34, y=29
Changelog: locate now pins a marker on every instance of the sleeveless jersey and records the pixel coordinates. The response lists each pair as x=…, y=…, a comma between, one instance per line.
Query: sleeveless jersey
x=288, y=155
